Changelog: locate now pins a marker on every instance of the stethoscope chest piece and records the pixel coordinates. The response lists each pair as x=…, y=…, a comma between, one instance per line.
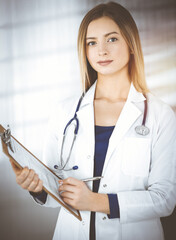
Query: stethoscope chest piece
x=142, y=130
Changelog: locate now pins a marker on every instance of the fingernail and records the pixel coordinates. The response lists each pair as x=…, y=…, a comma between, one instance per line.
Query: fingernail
x=60, y=182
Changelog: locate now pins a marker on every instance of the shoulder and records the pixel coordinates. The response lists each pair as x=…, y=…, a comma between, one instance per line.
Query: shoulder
x=161, y=115
x=159, y=107
x=68, y=105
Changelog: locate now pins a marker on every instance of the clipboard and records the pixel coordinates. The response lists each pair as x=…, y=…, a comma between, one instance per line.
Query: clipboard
x=22, y=157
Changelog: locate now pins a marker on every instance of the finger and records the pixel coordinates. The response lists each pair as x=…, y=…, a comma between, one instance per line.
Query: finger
x=22, y=176
x=71, y=181
x=67, y=187
x=67, y=195
x=36, y=187
x=32, y=178
x=25, y=177
x=39, y=187
x=16, y=169
x=68, y=201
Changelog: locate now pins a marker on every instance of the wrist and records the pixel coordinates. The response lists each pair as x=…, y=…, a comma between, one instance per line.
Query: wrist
x=99, y=203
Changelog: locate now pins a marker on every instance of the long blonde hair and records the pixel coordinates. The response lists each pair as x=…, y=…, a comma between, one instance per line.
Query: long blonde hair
x=129, y=31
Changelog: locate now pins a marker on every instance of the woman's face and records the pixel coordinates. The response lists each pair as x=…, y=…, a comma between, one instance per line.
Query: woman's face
x=106, y=49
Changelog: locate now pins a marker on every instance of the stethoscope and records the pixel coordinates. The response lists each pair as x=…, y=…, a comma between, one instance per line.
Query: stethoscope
x=141, y=130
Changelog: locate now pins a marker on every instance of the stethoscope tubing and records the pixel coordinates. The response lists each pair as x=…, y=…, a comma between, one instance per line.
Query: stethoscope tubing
x=145, y=110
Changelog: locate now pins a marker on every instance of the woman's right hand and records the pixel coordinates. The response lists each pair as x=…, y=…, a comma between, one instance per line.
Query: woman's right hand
x=27, y=178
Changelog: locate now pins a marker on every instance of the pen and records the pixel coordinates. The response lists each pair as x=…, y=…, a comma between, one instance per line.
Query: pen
x=91, y=179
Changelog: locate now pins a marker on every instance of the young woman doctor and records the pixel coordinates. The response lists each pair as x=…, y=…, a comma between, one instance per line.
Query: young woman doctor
x=137, y=165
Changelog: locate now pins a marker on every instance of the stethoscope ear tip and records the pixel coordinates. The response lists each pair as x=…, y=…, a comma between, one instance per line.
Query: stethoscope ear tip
x=75, y=167
x=69, y=169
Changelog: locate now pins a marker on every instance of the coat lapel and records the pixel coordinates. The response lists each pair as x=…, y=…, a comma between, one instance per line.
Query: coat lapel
x=128, y=116
x=87, y=129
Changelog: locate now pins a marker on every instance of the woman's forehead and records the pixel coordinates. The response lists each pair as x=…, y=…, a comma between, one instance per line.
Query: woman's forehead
x=102, y=26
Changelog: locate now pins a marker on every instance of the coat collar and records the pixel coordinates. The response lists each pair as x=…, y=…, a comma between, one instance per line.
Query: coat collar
x=133, y=95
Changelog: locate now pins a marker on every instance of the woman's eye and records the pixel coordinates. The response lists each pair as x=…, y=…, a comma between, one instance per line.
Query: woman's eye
x=91, y=43
x=112, y=40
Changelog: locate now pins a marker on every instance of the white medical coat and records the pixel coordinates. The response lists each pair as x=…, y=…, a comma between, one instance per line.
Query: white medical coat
x=141, y=170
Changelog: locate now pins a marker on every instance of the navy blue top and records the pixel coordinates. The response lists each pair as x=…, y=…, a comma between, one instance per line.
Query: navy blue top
x=102, y=135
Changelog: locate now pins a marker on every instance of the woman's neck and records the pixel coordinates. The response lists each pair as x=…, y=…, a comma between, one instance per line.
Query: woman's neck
x=112, y=88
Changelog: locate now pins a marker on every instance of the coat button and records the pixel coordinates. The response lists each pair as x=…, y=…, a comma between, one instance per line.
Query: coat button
x=104, y=185
x=83, y=223
x=104, y=218
x=88, y=156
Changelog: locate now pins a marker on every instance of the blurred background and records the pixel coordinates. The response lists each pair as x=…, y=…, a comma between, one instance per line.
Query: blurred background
x=39, y=67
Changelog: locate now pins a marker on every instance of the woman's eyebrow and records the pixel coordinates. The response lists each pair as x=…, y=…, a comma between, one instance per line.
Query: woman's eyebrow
x=107, y=34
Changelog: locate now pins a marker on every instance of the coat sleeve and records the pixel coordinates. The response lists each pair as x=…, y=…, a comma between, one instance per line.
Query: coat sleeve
x=159, y=199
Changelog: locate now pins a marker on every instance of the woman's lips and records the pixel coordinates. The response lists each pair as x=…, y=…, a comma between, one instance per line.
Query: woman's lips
x=104, y=63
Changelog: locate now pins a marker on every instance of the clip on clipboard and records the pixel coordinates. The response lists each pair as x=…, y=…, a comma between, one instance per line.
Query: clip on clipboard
x=22, y=157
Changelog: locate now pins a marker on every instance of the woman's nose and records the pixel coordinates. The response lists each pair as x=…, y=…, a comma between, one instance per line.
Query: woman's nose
x=102, y=49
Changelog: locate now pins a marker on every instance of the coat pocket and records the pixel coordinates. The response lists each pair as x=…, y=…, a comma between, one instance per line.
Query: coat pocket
x=136, y=156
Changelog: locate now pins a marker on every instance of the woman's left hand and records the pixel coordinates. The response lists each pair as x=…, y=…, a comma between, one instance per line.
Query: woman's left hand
x=76, y=194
